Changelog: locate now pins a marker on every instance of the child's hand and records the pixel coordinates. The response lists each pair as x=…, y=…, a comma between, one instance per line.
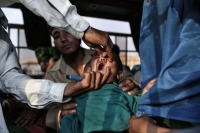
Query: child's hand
x=145, y=124
x=68, y=108
x=129, y=86
x=96, y=39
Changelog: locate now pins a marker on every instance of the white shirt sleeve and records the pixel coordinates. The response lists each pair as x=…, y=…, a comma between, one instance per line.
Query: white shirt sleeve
x=67, y=17
x=37, y=93
x=2, y=122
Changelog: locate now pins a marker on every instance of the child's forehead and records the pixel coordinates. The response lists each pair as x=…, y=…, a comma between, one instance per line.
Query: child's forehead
x=95, y=54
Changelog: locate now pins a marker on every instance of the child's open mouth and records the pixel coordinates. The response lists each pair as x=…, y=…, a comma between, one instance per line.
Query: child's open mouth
x=100, y=66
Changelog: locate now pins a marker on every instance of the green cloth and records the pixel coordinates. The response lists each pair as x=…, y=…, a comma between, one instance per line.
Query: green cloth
x=173, y=124
x=51, y=51
x=16, y=129
x=107, y=109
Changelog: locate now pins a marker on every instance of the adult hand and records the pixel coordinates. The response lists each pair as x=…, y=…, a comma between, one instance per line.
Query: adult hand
x=91, y=81
x=145, y=124
x=26, y=118
x=129, y=86
x=68, y=108
x=96, y=39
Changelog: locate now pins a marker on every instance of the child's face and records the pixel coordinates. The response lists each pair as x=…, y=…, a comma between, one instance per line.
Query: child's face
x=98, y=65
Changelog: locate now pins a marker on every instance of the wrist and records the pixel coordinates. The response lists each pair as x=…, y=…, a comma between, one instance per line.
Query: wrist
x=88, y=30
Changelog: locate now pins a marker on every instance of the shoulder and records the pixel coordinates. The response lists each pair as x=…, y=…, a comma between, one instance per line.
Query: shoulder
x=51, y=72
x=56, y=67
x=4, y=45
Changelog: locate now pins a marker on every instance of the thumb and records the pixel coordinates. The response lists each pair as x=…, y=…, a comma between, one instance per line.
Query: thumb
x=106, y=75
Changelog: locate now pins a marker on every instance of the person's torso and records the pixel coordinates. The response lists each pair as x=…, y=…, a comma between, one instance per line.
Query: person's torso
x=61, y=69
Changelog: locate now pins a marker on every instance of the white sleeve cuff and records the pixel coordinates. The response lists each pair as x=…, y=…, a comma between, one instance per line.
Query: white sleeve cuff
x=57, y=91
x=70, y=14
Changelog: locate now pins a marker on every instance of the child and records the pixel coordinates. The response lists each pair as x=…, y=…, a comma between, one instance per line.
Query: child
x=107, y=109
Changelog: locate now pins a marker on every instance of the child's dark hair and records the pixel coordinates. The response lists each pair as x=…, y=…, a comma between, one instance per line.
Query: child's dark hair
x=87, y=66
x=118, y=61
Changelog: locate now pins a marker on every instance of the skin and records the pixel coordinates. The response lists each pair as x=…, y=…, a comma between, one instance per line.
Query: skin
x=27, y=117
x=69, y=46
x=43, y=66
x=64, y=41
x=73, y=54
x=11, y=103
x=51, y=63
x=114, y=75
x=98, y=65
x=145, y=124
x=128, y=86
x=97, y=39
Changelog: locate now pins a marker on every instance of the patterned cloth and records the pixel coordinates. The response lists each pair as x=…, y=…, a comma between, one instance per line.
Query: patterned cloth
x=107, y=109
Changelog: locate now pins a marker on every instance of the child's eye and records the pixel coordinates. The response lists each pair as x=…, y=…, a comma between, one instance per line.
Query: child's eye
x=56, y=37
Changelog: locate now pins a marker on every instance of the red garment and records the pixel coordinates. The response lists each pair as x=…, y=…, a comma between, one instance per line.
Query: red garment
x=39, y=126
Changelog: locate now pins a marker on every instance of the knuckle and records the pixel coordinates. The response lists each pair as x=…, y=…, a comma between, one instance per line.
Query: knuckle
x=97, y=73
x=92, y=86
x=87, y=85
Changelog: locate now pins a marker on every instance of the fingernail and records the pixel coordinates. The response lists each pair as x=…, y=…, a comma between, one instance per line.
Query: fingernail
x=120, y=85
x=73, y=111
x=124, y=89
x=129, y=93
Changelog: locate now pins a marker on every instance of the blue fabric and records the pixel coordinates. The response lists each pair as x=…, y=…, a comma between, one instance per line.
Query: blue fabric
x=170, y=52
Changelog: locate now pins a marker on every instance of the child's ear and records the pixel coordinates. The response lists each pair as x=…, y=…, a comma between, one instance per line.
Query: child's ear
x=119, y=75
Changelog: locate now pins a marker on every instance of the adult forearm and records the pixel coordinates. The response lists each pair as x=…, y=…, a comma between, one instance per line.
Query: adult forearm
x=64, y=16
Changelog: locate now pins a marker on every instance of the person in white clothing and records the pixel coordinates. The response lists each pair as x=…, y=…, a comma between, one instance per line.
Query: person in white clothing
x=39, y=93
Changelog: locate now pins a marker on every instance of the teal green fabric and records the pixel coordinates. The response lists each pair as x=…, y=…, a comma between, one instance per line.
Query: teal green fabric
x=172, y=124
x=107, y=109
x=16, y=129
